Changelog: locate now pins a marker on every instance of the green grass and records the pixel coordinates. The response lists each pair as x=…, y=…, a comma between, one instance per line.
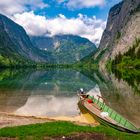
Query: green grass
x=53, y=129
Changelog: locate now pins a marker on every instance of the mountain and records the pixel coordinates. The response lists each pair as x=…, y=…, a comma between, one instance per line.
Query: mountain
x=15, y=45
x=64, y=48
x=122, y=32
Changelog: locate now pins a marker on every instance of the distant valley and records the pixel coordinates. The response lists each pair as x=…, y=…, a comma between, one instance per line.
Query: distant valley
x=64, y=49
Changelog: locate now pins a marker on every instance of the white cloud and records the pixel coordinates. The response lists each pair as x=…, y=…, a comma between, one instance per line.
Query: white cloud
x=84, y=26
x=10, y=7
x=20, y=12
x=78, y=4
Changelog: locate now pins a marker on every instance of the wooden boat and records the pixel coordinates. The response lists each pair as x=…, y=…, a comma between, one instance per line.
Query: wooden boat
x=105, y=115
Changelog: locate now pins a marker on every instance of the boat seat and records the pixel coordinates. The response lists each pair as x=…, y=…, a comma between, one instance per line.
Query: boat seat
x=98, y=107
x=95, y=105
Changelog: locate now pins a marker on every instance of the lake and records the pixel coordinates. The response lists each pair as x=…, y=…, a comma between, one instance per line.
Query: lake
x=53, y=92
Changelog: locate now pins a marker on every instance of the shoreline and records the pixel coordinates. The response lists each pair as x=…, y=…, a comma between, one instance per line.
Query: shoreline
x=11, y=120
x=58, y=130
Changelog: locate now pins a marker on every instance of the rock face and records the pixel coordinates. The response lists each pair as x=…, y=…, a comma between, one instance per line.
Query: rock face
x=65, y=48
x=123, y=27
x=15, y=43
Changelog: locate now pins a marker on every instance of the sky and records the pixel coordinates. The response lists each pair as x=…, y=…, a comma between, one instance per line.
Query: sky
x=86, y=18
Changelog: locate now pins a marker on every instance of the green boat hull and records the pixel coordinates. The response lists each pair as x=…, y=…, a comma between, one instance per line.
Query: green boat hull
x=107, y=123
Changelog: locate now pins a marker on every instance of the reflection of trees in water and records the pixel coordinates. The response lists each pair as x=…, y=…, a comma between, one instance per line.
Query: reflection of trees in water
x=13, y=79
x=17, y=86
x=28, y=90
x=131, y=76
x=120, y=96
x=63, y=79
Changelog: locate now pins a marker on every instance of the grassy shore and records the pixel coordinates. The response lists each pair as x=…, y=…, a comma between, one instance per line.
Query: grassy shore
x=59, y=129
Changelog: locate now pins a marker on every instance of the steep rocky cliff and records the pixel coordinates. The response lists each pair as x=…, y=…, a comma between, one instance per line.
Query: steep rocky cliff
x=123, y=27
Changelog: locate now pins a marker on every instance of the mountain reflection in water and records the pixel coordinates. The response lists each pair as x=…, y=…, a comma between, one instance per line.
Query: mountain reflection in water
x=49, y=105
x=42, y=93
x=53, y=92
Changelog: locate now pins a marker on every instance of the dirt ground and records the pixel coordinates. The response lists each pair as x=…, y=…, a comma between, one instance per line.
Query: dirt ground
x=7, y=120
x=77, y=136
x=83, y=136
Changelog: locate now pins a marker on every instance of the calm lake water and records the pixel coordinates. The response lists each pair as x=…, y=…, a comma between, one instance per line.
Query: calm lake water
x=53, y=92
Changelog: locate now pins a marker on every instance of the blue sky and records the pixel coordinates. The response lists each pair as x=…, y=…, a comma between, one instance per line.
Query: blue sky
x=86, y=18
x=55, y=8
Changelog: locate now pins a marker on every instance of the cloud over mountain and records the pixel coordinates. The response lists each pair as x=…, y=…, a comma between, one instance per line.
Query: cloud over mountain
x=31, y=14
x=82, y=25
